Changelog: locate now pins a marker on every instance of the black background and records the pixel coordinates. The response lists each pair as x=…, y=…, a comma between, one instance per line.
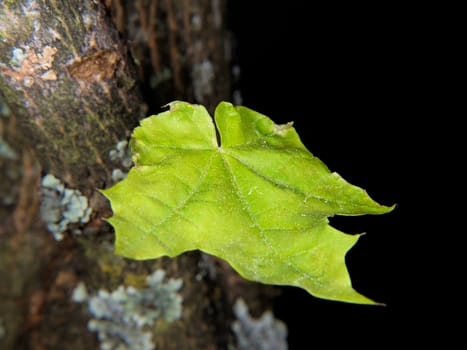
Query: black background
x=347, y=76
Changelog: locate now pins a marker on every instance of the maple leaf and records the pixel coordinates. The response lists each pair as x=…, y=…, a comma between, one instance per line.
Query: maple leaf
x=260, y=200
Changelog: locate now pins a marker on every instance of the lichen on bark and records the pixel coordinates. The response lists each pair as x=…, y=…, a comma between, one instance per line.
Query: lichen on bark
x=67, y=77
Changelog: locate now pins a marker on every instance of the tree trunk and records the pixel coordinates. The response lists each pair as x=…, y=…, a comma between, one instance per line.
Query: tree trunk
x=75, y=78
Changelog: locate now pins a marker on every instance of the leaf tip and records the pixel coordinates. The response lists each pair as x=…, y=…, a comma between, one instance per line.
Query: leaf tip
x=178, y=105
x=281, y=129
x=384, y=209
x=349, y=295
x=224, y=107
x=173, y=104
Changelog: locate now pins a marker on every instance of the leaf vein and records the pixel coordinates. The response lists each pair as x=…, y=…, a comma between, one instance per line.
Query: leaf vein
x=175, y=211
x=261, y=230
x=284, y=185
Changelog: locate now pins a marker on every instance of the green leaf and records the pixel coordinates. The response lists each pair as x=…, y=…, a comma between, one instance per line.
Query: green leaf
x=260, y=200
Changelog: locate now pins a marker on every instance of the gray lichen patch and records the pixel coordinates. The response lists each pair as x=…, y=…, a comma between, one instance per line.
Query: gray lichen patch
x=6, y=151
x=18, y=56
x=61, y=206
x=4, y=109
x=123, y=318
x=122, y=156
x=118, y=175
x=80, y=293
x=265, y=333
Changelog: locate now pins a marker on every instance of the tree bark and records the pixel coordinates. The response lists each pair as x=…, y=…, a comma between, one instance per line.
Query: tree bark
x=182, y=47
x=66, y=79
x=70, y=89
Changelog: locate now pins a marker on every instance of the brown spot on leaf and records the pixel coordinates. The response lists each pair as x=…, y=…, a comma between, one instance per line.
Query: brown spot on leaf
x=95, y=67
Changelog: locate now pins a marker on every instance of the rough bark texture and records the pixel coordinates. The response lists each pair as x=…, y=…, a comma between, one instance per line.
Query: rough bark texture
x=65, y=77
x=71, y=87
x=182, y=47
